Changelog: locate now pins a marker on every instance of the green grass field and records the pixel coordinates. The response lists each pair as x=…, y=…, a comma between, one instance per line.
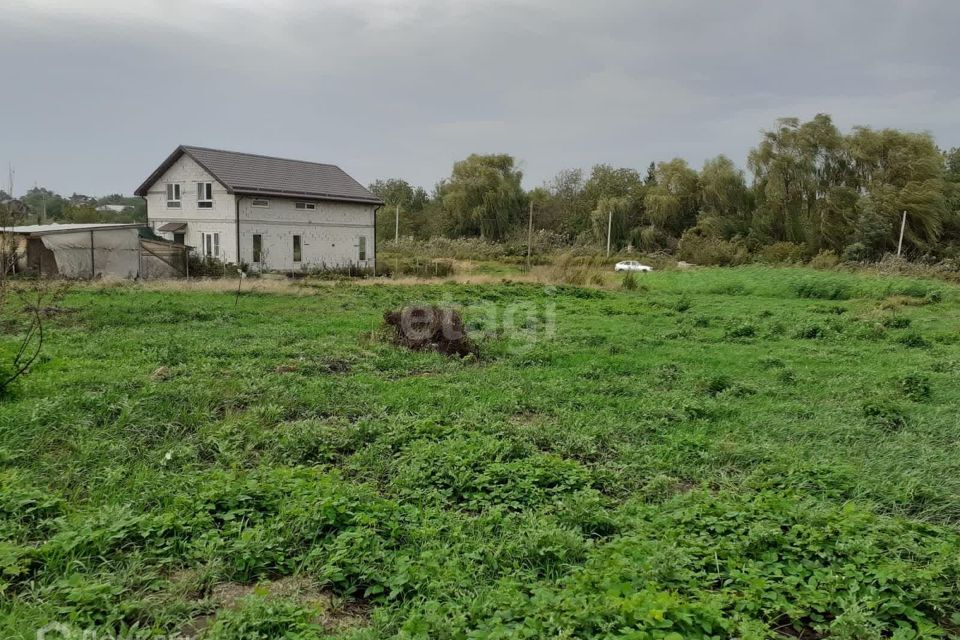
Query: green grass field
x=745, y=452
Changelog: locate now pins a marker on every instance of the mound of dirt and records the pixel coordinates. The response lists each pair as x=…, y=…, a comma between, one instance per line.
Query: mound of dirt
x=430, y=328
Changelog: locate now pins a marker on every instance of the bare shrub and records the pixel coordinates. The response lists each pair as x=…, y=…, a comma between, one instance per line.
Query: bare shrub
x=783, y=253
x=705, y=250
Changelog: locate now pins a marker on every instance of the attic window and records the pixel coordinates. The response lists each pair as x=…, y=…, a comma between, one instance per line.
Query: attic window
x=309, y=206
x=173, y=195
x=205, y=195
x=261, y=203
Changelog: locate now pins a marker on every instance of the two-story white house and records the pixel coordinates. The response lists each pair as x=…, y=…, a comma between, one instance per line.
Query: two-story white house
x=269, y=213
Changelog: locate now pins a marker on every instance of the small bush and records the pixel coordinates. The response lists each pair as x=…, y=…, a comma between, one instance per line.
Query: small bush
x=333, y=273
x=786, y=376
x=915, y=386
x=206, y=267
x=669, y=372
x=885, y=414
x=769, y=362
x=705, y=250
x=415, y=267
x=825, y=260
x=896, y=322
x=914, y=340
x=629, y=282
x=822, y=290
x=810, y=332
x=783, y=252
x=856, y=252
x=718, y=384
x=742, y=331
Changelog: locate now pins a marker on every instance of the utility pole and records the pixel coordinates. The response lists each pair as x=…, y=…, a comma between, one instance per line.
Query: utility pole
x=903, y=226
x=10, y=174
x=609, y=227
x=396, y=231
x=529, y=235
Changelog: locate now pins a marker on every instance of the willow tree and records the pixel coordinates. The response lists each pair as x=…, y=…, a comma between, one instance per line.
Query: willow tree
x=483, y=196
x=673, y=202
x=899, y=172
x=614, y=195
x=726, y=204
x=804, y=183
x=622, y=216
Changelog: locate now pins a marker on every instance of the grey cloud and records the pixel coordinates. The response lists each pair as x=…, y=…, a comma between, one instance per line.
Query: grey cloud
x=405, y=87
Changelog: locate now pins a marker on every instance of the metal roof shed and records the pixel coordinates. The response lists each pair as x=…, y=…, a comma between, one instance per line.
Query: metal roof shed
x=81, y=250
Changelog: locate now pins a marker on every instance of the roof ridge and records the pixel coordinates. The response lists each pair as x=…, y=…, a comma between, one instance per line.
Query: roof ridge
x=258, y=155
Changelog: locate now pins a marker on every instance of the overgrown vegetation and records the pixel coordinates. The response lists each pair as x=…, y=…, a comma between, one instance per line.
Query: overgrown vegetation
x=817, y=194
x=686, y=458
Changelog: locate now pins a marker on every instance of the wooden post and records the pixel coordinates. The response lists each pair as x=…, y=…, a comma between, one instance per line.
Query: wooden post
x=529, y=235
x=93, y=271
x=396, y=232
x=903, y=226
x=609, y=226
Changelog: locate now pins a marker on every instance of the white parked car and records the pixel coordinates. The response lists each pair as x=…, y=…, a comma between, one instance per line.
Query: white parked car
x=631, y=265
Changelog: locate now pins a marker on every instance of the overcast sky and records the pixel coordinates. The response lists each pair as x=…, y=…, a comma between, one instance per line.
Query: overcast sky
x=98, y=92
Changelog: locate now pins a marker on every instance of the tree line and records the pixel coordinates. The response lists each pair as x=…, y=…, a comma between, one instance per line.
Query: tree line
x=43, y=205
x=810, y=189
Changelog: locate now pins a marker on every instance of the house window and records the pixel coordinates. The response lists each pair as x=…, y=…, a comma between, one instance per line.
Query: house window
x=179, y=238
x=205, y=195
x=297, y=252
x=260, y=203
x=362, y=248
x=210, y=245
x=173, y=195
x=257, y=247
x=308, y=206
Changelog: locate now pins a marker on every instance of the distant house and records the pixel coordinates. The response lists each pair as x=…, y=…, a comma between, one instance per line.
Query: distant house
x=270, y=213
x=113, y=208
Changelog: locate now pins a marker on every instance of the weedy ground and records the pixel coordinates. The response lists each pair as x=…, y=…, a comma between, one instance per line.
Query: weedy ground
x=749, y=452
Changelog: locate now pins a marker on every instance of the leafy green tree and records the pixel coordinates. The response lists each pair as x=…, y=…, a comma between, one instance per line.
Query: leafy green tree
x=560, y=204
x=483, y=196
x=673, y=202
x=726, y=203
x=951, y=230
x=651, y=177
x=397, y=194
x=46, y=203
x=606, y=181
x=900, y=171
x=622, y=215
x=795, y=166
x=393, y=191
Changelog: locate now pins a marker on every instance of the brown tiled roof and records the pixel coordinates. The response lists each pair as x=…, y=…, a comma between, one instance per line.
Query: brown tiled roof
x=250, y=174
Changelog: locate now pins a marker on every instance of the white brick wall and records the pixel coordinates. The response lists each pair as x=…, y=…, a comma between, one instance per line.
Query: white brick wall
x=330, y=235
x=219, y=219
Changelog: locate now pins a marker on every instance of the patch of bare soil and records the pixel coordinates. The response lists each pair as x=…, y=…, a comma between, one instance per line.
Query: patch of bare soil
x=334, y=613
